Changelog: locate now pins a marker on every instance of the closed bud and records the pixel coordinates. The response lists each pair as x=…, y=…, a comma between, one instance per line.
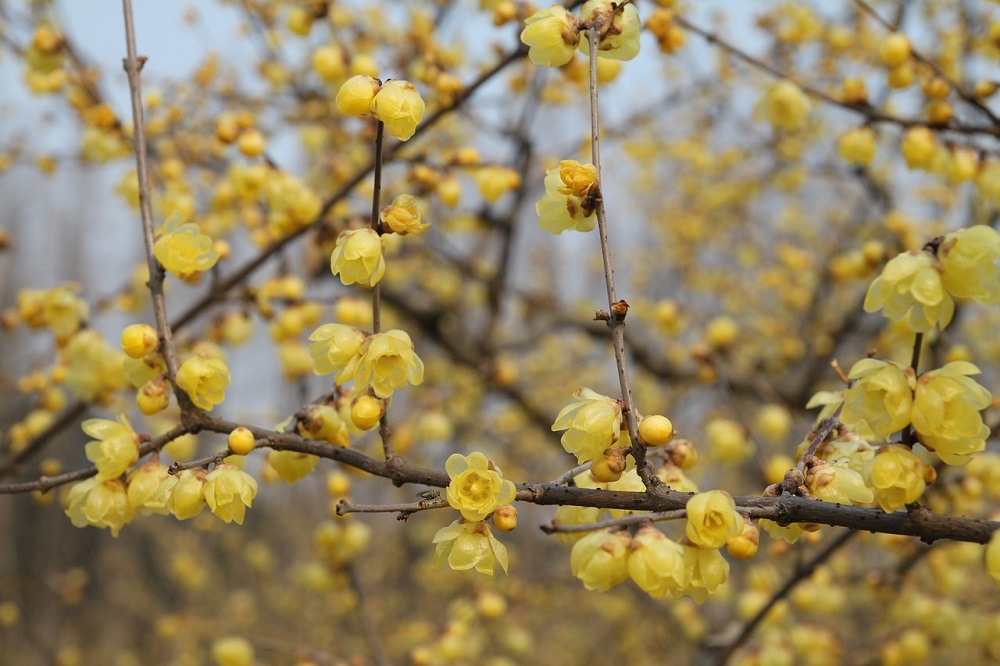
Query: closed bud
x=139, y=340
x=366, y=412
x=153, y=397
x=505, y=518
x=744, y=546
x=609, y=466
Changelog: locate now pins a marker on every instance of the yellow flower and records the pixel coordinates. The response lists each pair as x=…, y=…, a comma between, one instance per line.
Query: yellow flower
x=62, y=310
x=574, y=515
x=149, y=488
x=232, y=651
x=229, y=491
x=399, y=106
x=335, y=348
x=910, y=288
x=187, y=498
x=568, y=203
x=857, y=146
x=836, y=482
x=402, y=216
x=728, y=441
x=138, y=340
x=356, y=94
x=705, y=569
x=592, y=423
x=600, y=559
x=292, y=466
x=388, y=362
x=477, y=486
x=969, y=258
x=323, y=423
x=115, y=449
x=784, y=105
x=101, y=503
x=551, y=36
x=466, y=546
x=183, y=249
x=897, y=477
x=204, y=380
x=94, y=369
x=789, y=533
x=946, y=412
x=495, y=181
x=621, y=42
x=993, y=557
x=919, y=145
x=357, y=258
x=712, y=519
x=656, y=563
x=879, y=401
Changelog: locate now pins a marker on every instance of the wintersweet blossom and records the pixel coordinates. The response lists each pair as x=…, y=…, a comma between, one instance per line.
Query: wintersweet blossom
x=879, y=401
x=399, y=106
x=292, y=466
x=946, y=412
x=100, y=503
x=569, y=200
x=910, y=289
x=836, y=482
x=187, y=497
x=388, y=362
x=969, y=260
x=357, y=257
x=477, y=486
x=335, y=348
x=229, y=491
x=656, y=563
x=784, y=105
x=402, y=216
x=600, y=559
x=592, y=423
x=619, y=41
x=552, y=36
x=465, y=546
x=896, y=476
x=204, y=380
x=183, y=249
x=115, y=447
x=354, y=98
x=712, y=519
x=706, y=571
x=149, y=488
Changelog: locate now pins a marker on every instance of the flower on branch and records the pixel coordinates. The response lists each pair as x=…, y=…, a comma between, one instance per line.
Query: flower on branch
x=402, y=216
x=357, y=257
x=183, y=249
x=706, y=571
x=896, y=475
x=115, y=447
x=712, y=519
x=784, y=105
x=399, y=106
x=388, y=362
x=101, y=503
x=969, y=260
x=477, y=486
x=656, y=563
x=910, y=288
x=946, y=412
x=465, y=546
x=592, y=423
x=620, y=39
x=552, y=36
x=600, y=559
x=229, y=491
x=569, y=202
x=879, y=402
x=336, y=348
x=204, y=380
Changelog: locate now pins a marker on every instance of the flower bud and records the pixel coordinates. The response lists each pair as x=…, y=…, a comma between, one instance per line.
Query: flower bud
x=505, y=518
x=139, y=340
x=655, y=430
x=241, y=441
x=366, y=412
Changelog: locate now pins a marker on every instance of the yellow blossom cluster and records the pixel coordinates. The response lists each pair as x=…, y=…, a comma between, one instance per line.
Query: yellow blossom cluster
x=396, y=103
x=554, y=34
x=384, y=361
x=569, y=202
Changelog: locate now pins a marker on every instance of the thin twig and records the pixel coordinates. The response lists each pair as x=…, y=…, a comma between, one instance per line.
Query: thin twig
x=133, y=65
x=618, y=309
x=800, y=575
x=344, y=507
x=570, y=474
x=611, y=523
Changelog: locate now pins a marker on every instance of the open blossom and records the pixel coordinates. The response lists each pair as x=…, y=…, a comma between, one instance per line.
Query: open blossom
x=402, y=216
x=388, y=362
x=115, y=449
x=336, y=348
x=969, y=258
x=465, y=545
x=592, y=423
x=229, y=491
x=712, y=519
x=946, y=412
x=357, y=258
x=910, y=288
x=880, y=399
x=399, y=106
x=896, y=476
x=204, y=380
x=101, y=503
x=568, y=203
x=183, y=249
x=836, y=482
x=621, y=41
x=354, y=98
x=149, y=488
x=600, y=559
x=656, y=563
x=706, y=571
x=552, y=36
x=477, y=486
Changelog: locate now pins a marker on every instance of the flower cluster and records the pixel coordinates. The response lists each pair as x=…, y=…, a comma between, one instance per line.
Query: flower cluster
x=395, y=103
x=384, y=361
x=553, y=35
x=479, y=491
x=570, y=198
x=942, y=405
